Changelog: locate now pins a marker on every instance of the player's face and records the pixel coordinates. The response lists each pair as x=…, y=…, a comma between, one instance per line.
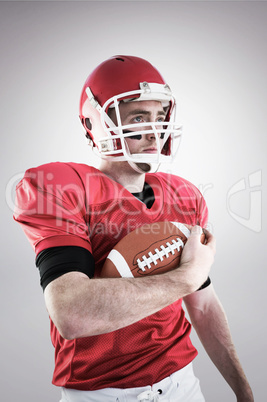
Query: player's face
x=138, y=113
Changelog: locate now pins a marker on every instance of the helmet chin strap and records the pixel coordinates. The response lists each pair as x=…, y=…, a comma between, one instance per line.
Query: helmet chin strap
x=142, y=167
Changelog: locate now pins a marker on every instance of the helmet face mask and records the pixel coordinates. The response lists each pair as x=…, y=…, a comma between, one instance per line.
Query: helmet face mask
x=109, y=135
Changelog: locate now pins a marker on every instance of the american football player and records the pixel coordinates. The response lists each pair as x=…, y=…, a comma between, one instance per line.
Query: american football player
x=124, y=339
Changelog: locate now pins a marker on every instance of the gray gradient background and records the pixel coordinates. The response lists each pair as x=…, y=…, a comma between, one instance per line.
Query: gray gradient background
x=213, y=54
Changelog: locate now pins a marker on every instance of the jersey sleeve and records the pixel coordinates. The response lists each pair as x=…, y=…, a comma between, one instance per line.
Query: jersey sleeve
x=51, y=207
x=202, y=210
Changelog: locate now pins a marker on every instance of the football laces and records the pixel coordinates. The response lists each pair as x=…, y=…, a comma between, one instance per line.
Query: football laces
x=152, y=258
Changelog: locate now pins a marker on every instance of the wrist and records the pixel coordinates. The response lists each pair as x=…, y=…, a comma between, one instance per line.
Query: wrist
x=192, y=274
x=184, y=279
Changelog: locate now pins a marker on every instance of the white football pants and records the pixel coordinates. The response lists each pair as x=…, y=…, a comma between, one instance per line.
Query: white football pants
x=181, y=386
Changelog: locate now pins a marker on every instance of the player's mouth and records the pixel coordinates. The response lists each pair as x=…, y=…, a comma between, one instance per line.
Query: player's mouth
x=152, y=150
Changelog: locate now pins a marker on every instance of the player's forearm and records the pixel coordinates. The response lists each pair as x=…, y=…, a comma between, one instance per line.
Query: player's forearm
x=225, y=358
x=213, y=330
x=81, y=307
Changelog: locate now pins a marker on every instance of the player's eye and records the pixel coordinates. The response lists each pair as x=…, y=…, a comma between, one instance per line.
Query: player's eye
x=138, y=119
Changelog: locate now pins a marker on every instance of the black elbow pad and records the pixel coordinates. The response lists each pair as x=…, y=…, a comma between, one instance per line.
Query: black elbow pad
x=56, y=261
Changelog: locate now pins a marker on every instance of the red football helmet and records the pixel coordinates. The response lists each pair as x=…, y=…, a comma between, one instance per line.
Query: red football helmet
x=126, y=78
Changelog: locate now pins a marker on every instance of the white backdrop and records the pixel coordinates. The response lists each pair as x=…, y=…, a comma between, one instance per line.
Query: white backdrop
x=213, y=55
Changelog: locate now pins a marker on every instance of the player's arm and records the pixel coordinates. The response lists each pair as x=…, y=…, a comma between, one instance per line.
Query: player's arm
x=81, y=307
x=210, y=322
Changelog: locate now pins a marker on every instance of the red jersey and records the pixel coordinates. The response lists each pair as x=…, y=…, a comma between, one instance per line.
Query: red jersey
x=61, y=204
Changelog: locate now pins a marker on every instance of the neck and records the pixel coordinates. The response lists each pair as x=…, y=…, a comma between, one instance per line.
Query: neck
x=124, y=174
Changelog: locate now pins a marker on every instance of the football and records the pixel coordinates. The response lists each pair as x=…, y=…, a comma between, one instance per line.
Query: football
x=148, y=250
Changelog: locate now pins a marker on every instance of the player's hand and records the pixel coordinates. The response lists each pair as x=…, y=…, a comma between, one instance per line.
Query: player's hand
x=197, y=258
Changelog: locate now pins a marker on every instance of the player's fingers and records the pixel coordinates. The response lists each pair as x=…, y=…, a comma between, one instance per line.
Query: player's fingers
x=196, y=235
x=196, y=230
x=210, y=239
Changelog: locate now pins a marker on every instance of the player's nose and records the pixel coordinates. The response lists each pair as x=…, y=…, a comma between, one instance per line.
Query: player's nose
x=150, y=136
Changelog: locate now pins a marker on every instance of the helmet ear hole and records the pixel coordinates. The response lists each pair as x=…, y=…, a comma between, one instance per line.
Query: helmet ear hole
x=88, y=123
x=88, y=126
